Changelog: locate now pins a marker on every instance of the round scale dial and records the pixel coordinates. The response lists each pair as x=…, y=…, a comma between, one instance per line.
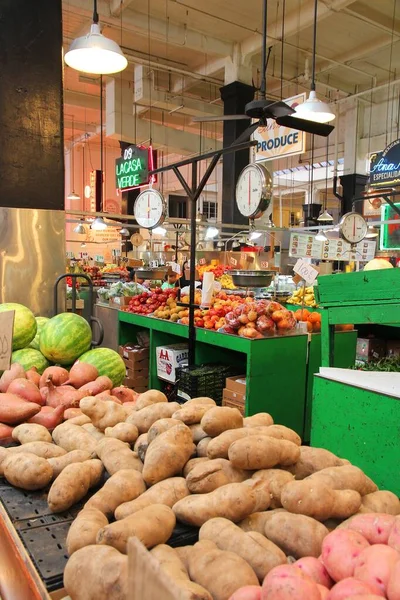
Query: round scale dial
x=253, y=191
x=150, y=209
x=353, y=227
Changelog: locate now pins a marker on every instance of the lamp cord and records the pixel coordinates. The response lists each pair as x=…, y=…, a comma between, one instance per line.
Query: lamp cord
x=314, y=45
x=101, y=143
x=263, y=85
x=95, y=13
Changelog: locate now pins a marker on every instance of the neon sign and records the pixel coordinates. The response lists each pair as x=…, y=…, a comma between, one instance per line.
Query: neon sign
x=132, y=169
x=385, y=167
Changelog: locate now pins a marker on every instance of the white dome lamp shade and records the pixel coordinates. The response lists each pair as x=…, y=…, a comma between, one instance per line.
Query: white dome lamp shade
x=94, y=53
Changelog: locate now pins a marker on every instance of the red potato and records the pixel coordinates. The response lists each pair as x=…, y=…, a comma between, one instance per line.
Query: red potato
x=287, y=582
x=68, y=396
x=394, y=536
x=375, y=527
x=350, y=586
x=5, y=431
x=14, y=410
x=375, y=564
x=393, y=587
x=340, y=550
x=248, y=592
x=49, y=417
x=26, y=390
x=81, y=374
x=323, y=591
x=314, y=568
x=124, y=394
x=58, y=376
x=101, y=384
x=14, y=372
x=33, y=375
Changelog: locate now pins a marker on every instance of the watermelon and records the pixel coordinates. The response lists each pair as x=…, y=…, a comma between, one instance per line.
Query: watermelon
x=107, y=362
x=29, y=357
x=64, y=338
x=24, y=324
x=40, y=321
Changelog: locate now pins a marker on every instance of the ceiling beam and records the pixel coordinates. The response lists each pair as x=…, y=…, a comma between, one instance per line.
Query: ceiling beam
x=374, y=18
x=81, y=99
x=117, y=6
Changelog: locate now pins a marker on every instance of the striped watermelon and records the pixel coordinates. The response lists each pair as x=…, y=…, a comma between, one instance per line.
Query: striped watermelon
x=40, y=321
x=29, y=357
x=24, y=324
x=107, y=362
x=64, y=338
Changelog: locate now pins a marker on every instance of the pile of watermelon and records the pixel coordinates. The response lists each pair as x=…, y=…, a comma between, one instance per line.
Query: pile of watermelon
x=40, y=342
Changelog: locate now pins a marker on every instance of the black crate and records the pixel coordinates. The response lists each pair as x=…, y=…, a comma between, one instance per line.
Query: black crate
x=204, y=380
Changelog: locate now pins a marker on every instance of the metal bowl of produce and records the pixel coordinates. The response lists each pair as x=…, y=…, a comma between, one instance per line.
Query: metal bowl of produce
x=255, y=279
x=151, y=273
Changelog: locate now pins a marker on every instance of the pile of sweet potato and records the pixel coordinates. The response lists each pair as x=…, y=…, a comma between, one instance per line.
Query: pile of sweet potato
x=259, y=498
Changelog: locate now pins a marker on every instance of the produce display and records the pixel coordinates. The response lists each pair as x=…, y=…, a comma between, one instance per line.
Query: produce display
x=259, y=319
x=221, y=274
x=303, y=296
x=313, y=319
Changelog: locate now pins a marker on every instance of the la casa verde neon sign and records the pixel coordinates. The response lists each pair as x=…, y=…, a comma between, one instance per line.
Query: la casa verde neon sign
x=385, y=166
x=132, y=169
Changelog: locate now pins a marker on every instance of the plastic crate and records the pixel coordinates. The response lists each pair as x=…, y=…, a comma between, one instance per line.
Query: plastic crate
x=204, y=380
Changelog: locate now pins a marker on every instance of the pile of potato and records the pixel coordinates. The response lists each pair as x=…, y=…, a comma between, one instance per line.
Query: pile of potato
x=259, y=497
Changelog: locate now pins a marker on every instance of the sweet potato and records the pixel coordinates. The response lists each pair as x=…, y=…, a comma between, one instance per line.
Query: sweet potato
x=141, y=445
x=349, y=587
x=277, y=479
x=261, y=554
x=393, y=586
x=296, y=535
x=97, y=573
x=94, y=432
x=123, y=486
x=26, y=471
x=72, y=437
x=126, y=432
x=166, y=492
x=221, y=573
x=42, y=449
x=14, y=410
x=103, y=413
x=287, y=581
x=340, y=550
x=381, y=501
x=26, y=390
x=346, y=477
x=394, y=536
x=257, y=520
x=84, y=529
x=202, y=447
x=144, y=418
x=212, y=474
x=198, y=433
x=312, y=460
x=150, y=397
x=317, y=500
x=152, y=525
x=167, y=454
x=375, y=527
x=219, y=419
x=101, y=384
x=247, y=592
x=30, y=432
x=260, y=419
x=5, y=431
x=262, y=452
x=59, y=463
x=171, y=564
x=192, y=463
x=374, y=565
x=73, y=483
x=314, y=568
x=117, y=455
x=161, y=426
x=234, y=501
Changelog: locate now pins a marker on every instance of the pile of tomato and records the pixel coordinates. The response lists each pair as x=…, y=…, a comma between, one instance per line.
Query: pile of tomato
x=147, y=302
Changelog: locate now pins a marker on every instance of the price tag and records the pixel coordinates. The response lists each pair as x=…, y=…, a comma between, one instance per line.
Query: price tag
x=217, y=286
x=84, y=255
x=264, y=264
x=306, y=271
x=202, y=261
x=99, y=258
x=116, y=252
x=70, y=254
x=6, y=335
x=175, y=267
x=233, y=261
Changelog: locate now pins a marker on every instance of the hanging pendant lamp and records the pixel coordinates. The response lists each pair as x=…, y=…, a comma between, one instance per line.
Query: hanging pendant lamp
x=94, y=53
x=314, y=109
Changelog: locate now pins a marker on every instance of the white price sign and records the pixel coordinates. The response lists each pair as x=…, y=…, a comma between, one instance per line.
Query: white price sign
x=233, y=261
x=84, y=255
x=116, y=252
x=305, y=271
x=264, y=264
x=175, y=267
x=70, y=254
x=202, y=261
x=99, y=258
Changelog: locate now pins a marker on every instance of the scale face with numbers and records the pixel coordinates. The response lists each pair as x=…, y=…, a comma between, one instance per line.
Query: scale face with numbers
x=353, y=227
x=150, y=209
x=253, y=191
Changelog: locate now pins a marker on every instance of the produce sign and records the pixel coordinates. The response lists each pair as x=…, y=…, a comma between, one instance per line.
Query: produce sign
x=385, y=167
x=390, y=233
x=132, y=169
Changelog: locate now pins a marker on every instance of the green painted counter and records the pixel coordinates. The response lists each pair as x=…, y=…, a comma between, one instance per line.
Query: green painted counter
x=360, y=425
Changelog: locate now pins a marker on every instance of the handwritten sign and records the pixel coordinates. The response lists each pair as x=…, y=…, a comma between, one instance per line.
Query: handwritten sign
x=202, y=261
x=6, y=336
x=116, y=252
x=84, y=255
x=99, y=258
x=233, y=261
x=305, y=270
x=264, y=264
x=175, y=267
x=70, y=254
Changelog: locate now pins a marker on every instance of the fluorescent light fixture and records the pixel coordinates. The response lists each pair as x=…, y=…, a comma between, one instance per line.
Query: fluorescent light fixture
x=242, y=240
x=255, y=235
x=211, y=233
x=124, y=232
x=94, y=53
x=325, y=217
x=73, y=196
x=321, y=237
x=314, y=109
x=81, y=229
x=159, y=230
x=235, y=244
x=220, y=244
x=99, y=224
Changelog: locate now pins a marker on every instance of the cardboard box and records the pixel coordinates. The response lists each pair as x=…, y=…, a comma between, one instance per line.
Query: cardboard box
x=240, y=405
x=236, y=384
x=137, y=372
x=133, y=352
x=370, y=349
x=137, y=383
x=234, y=396
x=140, y=365
x=169, y=359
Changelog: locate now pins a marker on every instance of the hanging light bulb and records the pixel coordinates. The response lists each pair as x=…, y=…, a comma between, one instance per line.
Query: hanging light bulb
x=325, y=217
x=372, y=232
x=99, y=224
x=314, y=109
x=220, y=244
x=160, y=230
x=236, y=244
x=321, y=237
x=255, y=235
x=73, y=196
x=81, y=229
x=124, y=232
x=211, y=233
x=83, y=245
x=94, y=53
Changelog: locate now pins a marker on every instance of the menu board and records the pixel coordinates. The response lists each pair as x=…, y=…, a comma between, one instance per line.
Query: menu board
x=305, y=246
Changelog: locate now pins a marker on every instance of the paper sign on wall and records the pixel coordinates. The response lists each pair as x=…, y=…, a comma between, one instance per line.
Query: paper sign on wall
x=306, y=271
x=6, y=335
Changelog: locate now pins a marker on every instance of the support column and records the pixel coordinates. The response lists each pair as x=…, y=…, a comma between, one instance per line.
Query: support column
x=354, y=179
x=353, y=185
x=31, y=121
x=235, y=96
